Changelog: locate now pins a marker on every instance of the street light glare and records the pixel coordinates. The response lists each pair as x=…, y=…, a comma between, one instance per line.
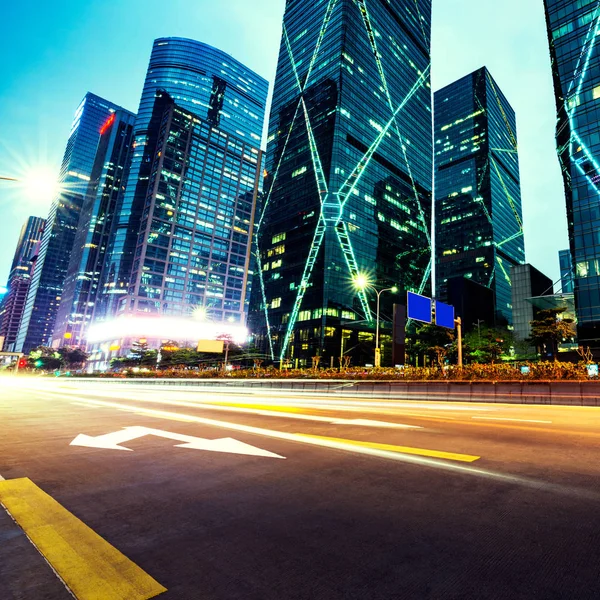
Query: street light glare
x=40, y=184
x=200, y=313
x=361, y=281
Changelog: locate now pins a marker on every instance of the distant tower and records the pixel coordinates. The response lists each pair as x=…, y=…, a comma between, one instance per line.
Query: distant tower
x=479, y=219
x=573, y=34
x=80, y=294
x=13, y=303
x=50, y=271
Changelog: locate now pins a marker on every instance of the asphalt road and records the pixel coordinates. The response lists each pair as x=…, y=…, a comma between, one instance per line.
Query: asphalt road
x=324, y=497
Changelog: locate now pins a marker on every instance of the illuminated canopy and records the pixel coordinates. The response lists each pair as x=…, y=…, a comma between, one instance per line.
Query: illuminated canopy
x=172, y=328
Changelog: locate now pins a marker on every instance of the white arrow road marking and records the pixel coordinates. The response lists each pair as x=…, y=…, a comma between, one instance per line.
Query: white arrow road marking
x=112, y=441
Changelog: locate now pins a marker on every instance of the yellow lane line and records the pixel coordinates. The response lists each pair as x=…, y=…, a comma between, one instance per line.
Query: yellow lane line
x=400, y=449
x=89, y=566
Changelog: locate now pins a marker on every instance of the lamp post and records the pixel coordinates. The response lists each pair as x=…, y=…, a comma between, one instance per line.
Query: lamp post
x=362, y=282
x=393, y=289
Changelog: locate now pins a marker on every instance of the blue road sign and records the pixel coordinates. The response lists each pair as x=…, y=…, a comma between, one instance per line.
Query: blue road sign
x=418, y=307
x=444, y=315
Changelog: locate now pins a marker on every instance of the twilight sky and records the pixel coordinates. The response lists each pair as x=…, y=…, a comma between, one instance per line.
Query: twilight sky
x=52, y=53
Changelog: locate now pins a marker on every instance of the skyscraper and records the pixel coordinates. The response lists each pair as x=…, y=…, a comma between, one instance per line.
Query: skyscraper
x=193, y=248
x=202, y=80
x=13, y=303
x=573, y=34
x=109, y=172
x=29, y=239
x=349, y=174
x=479, y=220
x=50, y=270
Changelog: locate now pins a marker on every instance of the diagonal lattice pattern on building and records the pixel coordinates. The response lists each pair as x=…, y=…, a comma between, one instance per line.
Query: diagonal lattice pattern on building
x=348, y=171
x=573, y=30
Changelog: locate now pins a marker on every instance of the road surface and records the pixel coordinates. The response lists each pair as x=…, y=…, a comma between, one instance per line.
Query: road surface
x=221, y=495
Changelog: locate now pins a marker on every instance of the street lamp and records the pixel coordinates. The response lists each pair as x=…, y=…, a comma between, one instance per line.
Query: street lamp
x=362, y=282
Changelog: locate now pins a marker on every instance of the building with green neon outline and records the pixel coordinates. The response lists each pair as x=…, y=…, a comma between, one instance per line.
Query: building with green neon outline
x=479, y=218
x=348, y=186
x=574, y=40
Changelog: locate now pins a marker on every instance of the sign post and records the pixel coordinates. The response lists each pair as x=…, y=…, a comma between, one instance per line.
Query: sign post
x=420, y=308
x=458, y=322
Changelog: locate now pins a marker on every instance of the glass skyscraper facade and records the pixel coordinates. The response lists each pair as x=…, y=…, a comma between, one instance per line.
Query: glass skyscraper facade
x=565, y=262
x=527, y=282
x=13, y=303
x=52, y=263
x=79, y=300
x=573, y=33
x=479, y=219
x=348, y=190
x=28, y=242
x=202, y=80
x=193, y=249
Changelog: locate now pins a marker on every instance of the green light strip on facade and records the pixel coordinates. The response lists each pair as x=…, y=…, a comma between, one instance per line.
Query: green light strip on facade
x=332, y=205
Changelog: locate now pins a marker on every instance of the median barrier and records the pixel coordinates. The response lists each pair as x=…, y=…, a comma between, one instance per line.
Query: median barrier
x=569, y=393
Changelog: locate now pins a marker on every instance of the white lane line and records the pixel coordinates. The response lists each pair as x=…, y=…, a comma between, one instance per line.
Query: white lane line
x=346, y=404
x=507, y=419
x=371, y=423
x=266, y=413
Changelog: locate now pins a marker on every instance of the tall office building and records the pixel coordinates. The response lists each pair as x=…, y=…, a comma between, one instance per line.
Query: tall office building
x=109, y=172
x=193, y=249
x=13, y=302
x=348, y=195
x=48, y=278
x=565, y=261
x=479, y=220
x=573, y=33
x=218, y=90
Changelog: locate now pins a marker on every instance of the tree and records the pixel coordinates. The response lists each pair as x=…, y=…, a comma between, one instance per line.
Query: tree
x=487, y=344
x=141, y=355
x=432, y=341
x=548, y=330
x=73, y=357
x=45, y=359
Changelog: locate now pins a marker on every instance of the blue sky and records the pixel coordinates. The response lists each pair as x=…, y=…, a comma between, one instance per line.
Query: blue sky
x=52, y=53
